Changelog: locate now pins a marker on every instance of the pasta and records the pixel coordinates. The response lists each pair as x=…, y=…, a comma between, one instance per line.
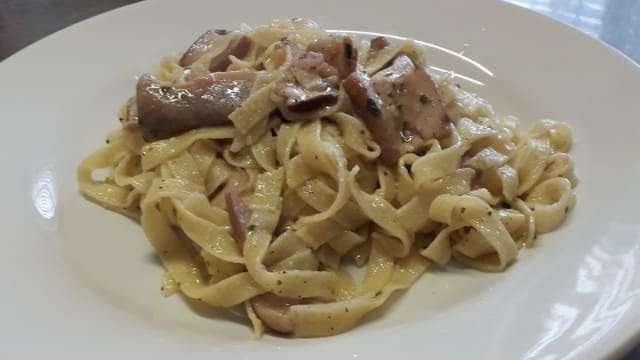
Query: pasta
x=262, y=163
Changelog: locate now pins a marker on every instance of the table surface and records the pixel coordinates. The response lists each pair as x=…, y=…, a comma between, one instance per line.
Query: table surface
x=616, y=22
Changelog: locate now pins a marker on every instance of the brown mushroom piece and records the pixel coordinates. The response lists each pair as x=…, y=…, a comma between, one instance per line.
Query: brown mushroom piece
x=201, y=46
x=237, y=182
x=384, y=129
x=207, y=100
x=400, y=106
x=238, y=47
x=273, y=310
x=317, y=90
x=239, y=215
x=301, y=100
x=338, y=52
x=376, y=44
x=414, y=94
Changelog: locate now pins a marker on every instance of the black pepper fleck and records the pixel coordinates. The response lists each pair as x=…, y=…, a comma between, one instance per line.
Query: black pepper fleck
x=372, y=107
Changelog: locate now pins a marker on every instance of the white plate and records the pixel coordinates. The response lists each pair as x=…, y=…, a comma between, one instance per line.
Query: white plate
x=81, y=282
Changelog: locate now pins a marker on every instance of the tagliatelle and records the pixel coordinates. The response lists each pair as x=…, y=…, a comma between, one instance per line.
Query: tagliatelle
x=267, y=207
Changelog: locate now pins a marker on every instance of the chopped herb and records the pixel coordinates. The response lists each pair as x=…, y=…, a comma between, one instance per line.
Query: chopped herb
x=424, y=99
x=121, y=119
x=378, y=293
x=348, y=50
x=463, y=210
x=372, y=107
x=346, y=309
x=221, y=31
x=161, y=288
x=279, y=282
x=251, y=227
x=107, y=141
x=490, y=213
